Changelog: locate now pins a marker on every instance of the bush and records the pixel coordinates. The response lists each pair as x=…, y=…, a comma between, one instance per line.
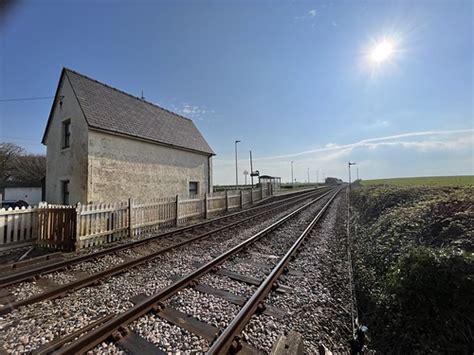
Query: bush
x=413, y=267
x=430, y=301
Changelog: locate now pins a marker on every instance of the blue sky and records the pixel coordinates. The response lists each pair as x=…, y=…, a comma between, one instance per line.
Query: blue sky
x=292, y=80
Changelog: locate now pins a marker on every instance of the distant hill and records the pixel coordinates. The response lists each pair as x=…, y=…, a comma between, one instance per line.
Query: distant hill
x=461, y=180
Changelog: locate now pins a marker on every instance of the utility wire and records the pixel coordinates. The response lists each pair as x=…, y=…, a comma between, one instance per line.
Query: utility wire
x=27, y=98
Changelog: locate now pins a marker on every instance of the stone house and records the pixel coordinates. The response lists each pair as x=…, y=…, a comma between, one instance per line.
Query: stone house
x=104, y=145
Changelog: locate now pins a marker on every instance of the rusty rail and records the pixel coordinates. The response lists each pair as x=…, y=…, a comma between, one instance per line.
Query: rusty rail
x=117, y=325
x=120, y=268
x=229, y=340
x=30, y=273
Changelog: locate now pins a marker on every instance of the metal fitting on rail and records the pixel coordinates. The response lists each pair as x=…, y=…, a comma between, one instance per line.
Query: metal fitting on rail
x=158, y=307
x=120, y=333
x=236, y=345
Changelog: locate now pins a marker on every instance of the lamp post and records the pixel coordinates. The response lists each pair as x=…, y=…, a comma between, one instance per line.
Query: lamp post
x=236, y=167
x=292, y=181
x=349, y=166
x=251, y=168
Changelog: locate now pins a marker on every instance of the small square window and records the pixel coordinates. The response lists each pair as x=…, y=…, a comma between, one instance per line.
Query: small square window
x=66, y=134
x=65, y=192
x=193, y=188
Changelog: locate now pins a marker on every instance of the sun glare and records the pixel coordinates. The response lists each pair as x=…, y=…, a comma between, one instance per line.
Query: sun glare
x=381, y=52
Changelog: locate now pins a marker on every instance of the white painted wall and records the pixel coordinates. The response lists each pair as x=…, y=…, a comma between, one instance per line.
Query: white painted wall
x=32, y=195
x=70, y=163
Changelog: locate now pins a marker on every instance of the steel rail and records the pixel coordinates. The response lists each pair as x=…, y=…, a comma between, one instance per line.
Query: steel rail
x=116, y=326
x=229, y=338
x=27, y=274
x=98, y=277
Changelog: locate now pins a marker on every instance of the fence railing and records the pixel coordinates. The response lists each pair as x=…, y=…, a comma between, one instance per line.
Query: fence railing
x=75, y=227
x=17, y=225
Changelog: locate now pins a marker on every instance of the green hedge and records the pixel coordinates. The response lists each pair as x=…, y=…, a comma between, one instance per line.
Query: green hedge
x=414, y=268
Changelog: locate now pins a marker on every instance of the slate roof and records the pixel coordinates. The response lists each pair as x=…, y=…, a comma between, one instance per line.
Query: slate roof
x=107, y=108
x=5, y=184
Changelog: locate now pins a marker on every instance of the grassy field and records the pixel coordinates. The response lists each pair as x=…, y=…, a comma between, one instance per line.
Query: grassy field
x=424, y=180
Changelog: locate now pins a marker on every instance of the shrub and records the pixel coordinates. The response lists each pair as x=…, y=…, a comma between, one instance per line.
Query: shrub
x=413, y=266
x=430, y=300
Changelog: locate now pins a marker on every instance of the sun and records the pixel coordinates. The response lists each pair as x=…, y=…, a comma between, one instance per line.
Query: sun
x=382, y=51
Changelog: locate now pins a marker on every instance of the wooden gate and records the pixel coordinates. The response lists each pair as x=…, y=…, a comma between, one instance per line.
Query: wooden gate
x=56, y=227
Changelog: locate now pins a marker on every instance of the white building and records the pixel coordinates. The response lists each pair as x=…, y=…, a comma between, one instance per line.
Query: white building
x=30, y=192
x=104, y=145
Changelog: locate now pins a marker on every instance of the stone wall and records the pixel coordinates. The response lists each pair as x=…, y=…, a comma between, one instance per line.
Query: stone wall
x=120, y=167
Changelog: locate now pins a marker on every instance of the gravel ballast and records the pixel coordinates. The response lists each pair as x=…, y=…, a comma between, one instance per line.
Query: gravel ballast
x=44, y=321
x=319, y=307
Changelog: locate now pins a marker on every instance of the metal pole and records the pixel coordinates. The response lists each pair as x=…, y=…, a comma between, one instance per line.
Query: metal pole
x=349, y=165
x=292, y=181
x=251, y=168
x=236, y=168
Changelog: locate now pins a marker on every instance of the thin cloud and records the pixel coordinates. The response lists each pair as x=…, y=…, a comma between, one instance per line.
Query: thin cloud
x=192, y=111
x=311, y=14
x=372, y=143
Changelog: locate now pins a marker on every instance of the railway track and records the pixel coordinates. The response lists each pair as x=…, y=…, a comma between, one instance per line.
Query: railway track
x=123, y=329
x=138, y=253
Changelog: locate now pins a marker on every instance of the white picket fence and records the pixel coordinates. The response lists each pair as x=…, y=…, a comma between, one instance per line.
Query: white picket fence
x=106, y=222
x=17, y=225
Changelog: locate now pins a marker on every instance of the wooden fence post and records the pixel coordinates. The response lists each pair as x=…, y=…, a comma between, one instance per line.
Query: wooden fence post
x=130, y=227
x=78, y=226
x=261, y=191
x=226, y=200
x=177, y=210
x=241, y=200
x=205, y=205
